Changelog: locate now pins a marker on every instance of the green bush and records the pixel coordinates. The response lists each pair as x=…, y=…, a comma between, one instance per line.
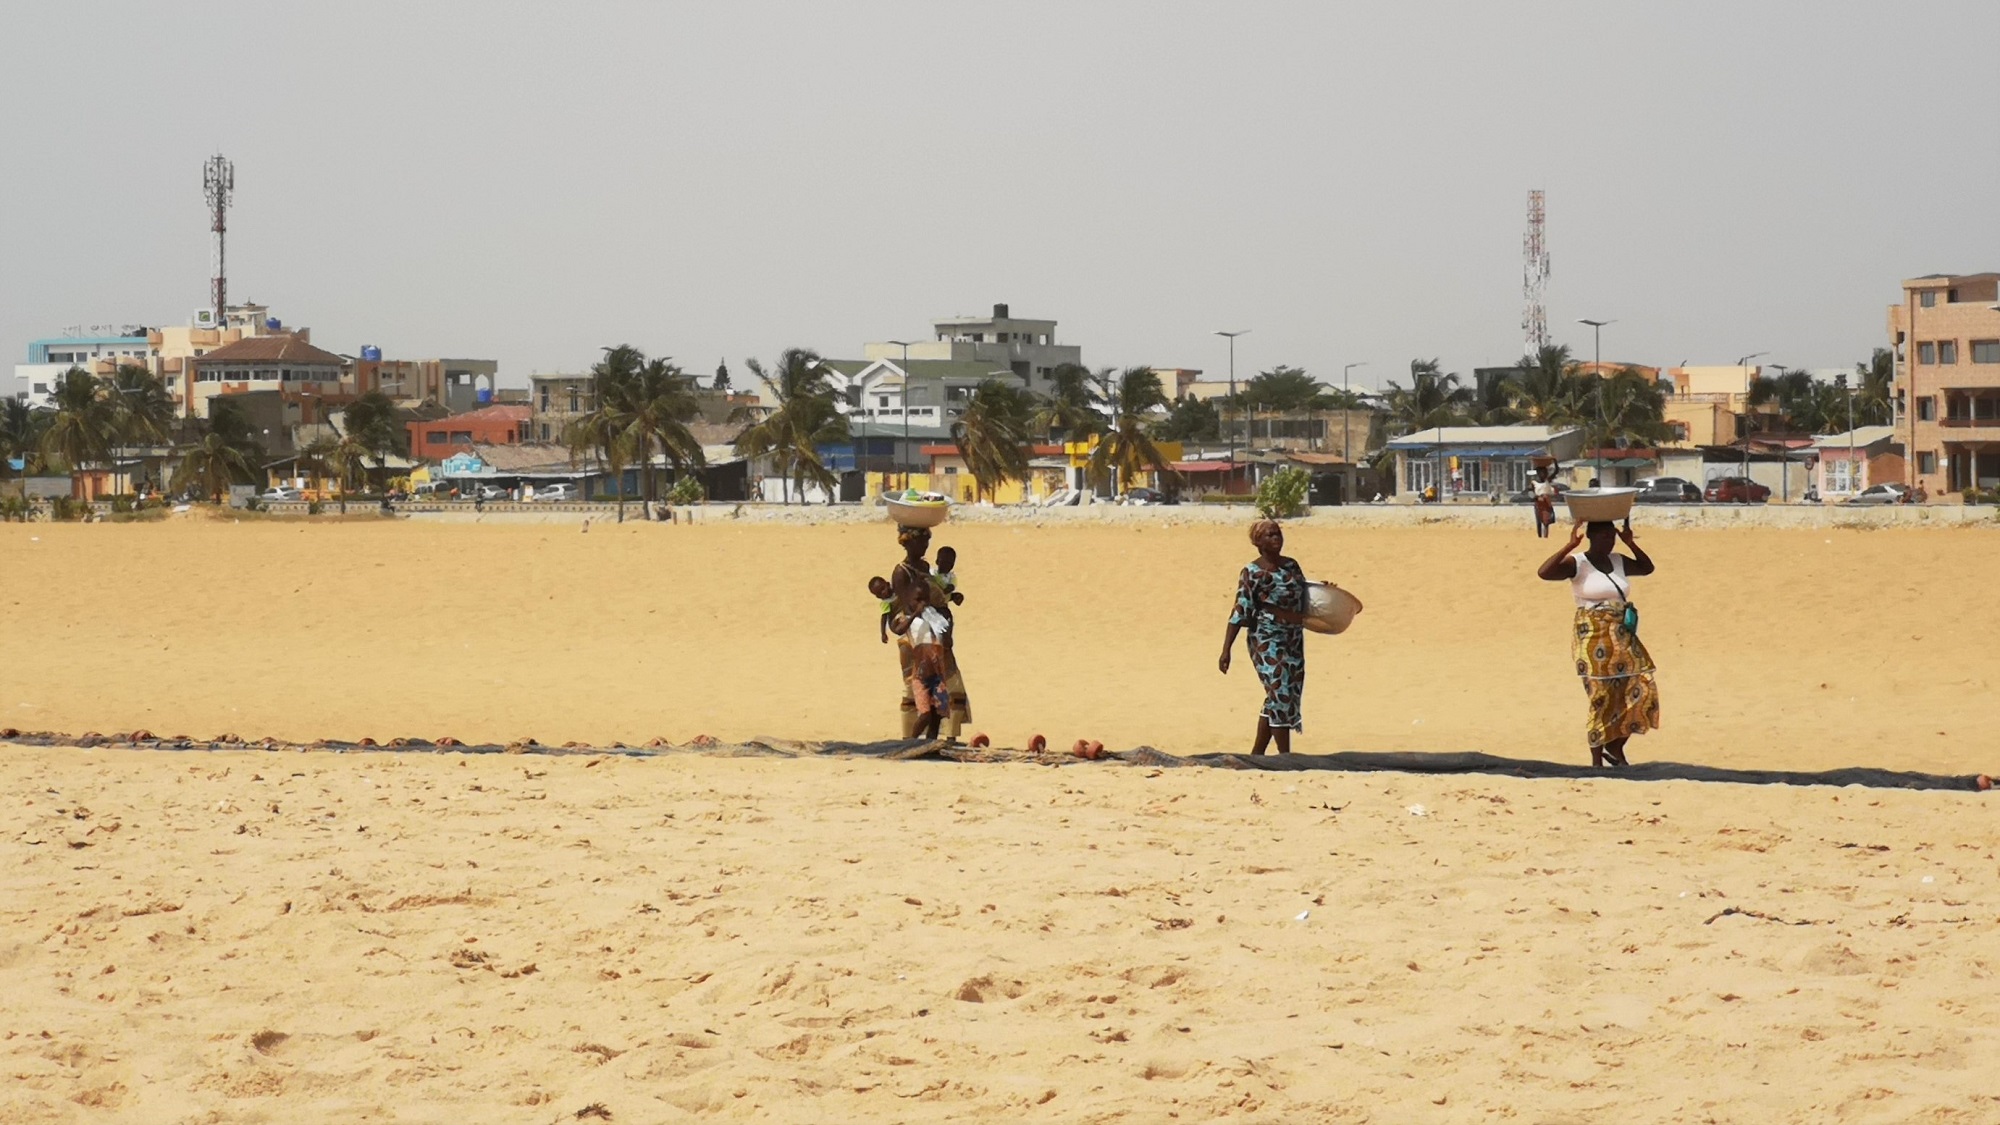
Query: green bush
x=1283, y=494
x=313, y=507
x=687, y=490
x=62, y=509
x=121, y=504
x=13, y=508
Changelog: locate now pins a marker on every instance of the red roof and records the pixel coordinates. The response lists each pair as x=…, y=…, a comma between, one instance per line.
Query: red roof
x=282, y=348
x=1207, y=466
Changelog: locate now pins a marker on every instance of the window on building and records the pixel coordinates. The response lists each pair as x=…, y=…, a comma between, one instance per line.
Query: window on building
x=545, y=431
x=435, y=437
x=1927, y=462
x=882, y=401
x=1986, y=351
x=575, y=402
x=1418, y=474
x=1927, y=409
x=461, y=437
x=545, y=404
x=1927, y=299
x=1839, y=476
x=1947, y=351
x=1926, y=352
x=1957, y=408
x=1986, y=409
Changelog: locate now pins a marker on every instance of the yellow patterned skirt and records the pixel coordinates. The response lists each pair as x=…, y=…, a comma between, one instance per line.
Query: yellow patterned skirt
x=1617, y=674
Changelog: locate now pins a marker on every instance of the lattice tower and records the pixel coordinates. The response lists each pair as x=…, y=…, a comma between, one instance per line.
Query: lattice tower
x=218, y=184
x=1535, y=277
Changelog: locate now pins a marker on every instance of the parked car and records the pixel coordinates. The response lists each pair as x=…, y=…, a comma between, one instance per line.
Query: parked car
x=1879, y=494
x=562, y=490
x=280, y=496
x=432, y=490
x=491, y=492
x=1666, y=490
x=1736, y=490
x=1527, y=495
x=1147, y=496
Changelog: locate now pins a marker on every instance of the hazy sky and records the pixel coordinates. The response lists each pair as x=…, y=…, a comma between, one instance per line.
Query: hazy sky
x=527, y=182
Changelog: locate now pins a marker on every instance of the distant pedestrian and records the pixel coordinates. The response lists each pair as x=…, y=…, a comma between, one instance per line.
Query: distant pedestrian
x=1544, y=488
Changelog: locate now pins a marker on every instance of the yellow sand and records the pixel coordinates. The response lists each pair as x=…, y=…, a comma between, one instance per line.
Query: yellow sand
x=288, y=937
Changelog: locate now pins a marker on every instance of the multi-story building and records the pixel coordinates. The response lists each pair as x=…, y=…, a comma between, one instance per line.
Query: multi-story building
x=438, y=438
x=1710, y=405
x=555, y=401
x=316, y=378
x=1000, y=342
x=1946, y=333
x=90, y=347
x=456, y=384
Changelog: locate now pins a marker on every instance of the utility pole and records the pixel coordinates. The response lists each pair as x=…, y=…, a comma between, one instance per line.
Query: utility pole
x=905, y=457
x=1232, y=390
x=1597, y=362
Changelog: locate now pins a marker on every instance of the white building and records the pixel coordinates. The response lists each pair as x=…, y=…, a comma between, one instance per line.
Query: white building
x=932, y=379
x=48, y=359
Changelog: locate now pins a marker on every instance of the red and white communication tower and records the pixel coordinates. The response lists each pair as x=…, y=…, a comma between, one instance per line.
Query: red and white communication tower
x=1535, y=277
x=218, y=183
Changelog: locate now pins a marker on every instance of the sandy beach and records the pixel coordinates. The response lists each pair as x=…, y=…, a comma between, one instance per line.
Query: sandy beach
x=210, y=937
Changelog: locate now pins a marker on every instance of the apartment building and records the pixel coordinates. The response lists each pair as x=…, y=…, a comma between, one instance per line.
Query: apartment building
x=1946, y=334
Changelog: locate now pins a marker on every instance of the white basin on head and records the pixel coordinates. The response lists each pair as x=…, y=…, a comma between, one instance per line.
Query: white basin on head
x=1595, y=504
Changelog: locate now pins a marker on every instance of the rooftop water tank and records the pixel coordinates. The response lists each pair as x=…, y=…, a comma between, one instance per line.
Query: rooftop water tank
x=485, y=396
x=273, y=323
x=371, y=353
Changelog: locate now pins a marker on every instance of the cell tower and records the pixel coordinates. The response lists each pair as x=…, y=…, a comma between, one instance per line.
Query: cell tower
x=1535, y=277
x=218, y=183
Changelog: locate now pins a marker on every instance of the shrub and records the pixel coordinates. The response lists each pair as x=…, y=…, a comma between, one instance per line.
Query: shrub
x=1283, y=494
x=687, y=490
x=13, y=508
x=121, y=504
x=313, y=507
x=62, y=509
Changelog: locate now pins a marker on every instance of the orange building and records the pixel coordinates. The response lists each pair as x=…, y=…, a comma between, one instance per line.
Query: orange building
x=439, y=438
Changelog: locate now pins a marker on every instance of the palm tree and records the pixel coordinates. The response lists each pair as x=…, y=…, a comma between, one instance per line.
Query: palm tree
x=142, y=410
x=210, y=466
x=20, y=432
x=1125, y=450
x=1548, y=390
x=373, y=421
x=1631, y=411
x=805, y=418
x=1069, y=406
x=84, y=426
x=1875, y=389
x=993, y=435
x=1433, y=398
x=655, y=406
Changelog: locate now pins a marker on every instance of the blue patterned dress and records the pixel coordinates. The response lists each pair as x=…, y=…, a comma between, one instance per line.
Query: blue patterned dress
x=1277, y=651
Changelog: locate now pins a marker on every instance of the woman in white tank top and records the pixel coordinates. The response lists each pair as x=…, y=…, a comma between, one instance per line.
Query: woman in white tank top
x=1616, y=669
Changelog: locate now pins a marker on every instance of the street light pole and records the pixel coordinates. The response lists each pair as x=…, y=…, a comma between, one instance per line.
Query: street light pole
x=1232, y=390
x=1784, y=465
x=1597, y=362
x=905, y=452
x=1346, y=410
x=1744, y=437
x=1841, y=382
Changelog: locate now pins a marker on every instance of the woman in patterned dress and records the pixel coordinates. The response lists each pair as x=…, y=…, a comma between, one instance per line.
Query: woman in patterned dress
x=1616, y=669
x=911, y=573
x=1271, y=603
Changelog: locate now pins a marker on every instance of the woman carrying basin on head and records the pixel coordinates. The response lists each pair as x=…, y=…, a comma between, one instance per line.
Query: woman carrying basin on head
x=1616, y=669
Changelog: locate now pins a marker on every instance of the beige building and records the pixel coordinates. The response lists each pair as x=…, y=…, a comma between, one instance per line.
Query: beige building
x=1709, y=405
x=1946, y=334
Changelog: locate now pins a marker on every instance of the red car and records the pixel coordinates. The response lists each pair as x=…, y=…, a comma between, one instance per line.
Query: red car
x=1735, y=490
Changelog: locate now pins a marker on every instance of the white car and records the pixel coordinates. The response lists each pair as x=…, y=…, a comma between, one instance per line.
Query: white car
x=556, y=492
x=492, y=492
x=280, y=496
x=1879, y=494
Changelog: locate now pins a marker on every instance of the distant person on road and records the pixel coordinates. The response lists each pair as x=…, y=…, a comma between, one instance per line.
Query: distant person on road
x=1544, y=488
x=1616, y=669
